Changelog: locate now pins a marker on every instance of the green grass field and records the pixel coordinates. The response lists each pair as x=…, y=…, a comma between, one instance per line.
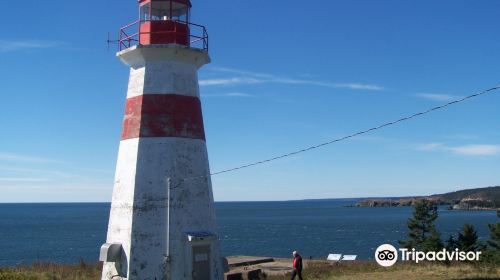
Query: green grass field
x=370, y=270
x=50, y=271
x=314, y=271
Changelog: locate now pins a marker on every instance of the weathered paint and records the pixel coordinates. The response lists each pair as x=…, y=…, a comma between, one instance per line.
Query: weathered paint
x=162, y=86
x=164, y=77
x=163, y=115
x=120, y=222
x=138, y=56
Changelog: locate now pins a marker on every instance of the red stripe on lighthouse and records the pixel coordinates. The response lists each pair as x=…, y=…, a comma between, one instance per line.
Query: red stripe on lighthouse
x=163, y=115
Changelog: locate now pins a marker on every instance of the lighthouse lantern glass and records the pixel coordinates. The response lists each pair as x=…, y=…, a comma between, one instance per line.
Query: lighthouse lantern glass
x=145, y=12
x=165, y=10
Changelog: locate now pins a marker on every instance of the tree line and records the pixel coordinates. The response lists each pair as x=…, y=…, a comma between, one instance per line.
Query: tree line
x=423, y=236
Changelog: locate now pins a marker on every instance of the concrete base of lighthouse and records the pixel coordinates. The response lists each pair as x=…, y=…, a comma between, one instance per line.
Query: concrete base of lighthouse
x=162, y=223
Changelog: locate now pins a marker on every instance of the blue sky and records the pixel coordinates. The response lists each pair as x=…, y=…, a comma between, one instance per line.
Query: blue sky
x=284, y=75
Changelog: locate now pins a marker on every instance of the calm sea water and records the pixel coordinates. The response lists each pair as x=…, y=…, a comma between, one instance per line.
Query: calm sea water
x=66, y=233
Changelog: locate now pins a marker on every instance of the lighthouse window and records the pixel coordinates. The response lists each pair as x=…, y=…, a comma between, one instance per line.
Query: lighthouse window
x=160, y=11
x=165, y=10
x=145, y=16
x=181, y=16
x=179, y=11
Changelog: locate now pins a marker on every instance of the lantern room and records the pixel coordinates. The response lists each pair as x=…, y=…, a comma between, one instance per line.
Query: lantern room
x=164, y=22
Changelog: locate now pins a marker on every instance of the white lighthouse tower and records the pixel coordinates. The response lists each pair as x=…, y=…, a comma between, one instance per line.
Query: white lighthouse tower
x=162, y=220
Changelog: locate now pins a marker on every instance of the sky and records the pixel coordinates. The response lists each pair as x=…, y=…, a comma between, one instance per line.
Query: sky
x=284, y=75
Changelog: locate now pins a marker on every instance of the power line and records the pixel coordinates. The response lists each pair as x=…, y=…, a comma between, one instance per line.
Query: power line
x=357, y=133
x=403, y=119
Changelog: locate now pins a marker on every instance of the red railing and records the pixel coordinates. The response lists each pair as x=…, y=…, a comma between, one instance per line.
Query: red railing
x=130, y=35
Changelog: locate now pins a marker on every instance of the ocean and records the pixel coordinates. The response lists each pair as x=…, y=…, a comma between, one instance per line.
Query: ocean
x=70, y=232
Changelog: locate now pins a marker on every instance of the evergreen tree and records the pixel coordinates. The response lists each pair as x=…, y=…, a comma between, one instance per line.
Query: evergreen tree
x=467, y=239
x=432, y=242
x=451, y=243
x=494, y=241
x=492, y=252
x=422, y=233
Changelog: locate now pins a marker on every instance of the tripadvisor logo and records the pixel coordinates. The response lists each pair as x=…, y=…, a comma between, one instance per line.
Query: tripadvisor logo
x=387, y=255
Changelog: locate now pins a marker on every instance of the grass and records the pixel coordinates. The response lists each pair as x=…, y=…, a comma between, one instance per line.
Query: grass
x=370, y=270
x=52, y=271
x=317, y=270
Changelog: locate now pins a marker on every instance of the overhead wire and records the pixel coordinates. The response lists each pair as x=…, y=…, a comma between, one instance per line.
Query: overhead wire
x=307, y=149
x=357, y=133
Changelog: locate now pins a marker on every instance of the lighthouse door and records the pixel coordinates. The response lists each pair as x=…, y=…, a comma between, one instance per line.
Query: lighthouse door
x=201, y=262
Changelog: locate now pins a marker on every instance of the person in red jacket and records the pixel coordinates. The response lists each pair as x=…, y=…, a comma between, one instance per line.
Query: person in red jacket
x=297, y=265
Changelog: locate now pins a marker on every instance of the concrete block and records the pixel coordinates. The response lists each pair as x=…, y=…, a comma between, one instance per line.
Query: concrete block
x=252, y=274
x=233, y=276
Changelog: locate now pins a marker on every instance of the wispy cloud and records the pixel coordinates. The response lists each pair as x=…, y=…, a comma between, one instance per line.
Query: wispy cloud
x=429, y=147
x=23, y=45
x=230, y=81
x=359, y=86
x=476, y=150
x=437, y=97
x=23, y=179
x=25, y=158
x=36, y=172
x=466, y=150
x=230, y=94
x=242, y=72
x=247, y=77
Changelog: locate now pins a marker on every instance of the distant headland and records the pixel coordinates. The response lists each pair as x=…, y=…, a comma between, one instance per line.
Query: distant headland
x=469, y=199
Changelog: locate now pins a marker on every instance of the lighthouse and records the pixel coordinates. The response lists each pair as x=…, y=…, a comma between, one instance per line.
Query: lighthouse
x=162, y=219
